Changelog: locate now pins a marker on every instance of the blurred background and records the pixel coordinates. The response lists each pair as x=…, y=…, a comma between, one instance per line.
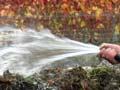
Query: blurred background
x=94, y=21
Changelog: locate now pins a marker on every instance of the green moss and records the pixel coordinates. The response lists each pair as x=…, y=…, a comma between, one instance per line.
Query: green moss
x=104, y=78
x=75, y=79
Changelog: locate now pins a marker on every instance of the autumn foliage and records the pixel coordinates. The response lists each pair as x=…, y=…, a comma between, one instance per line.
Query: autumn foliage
x=70, y=18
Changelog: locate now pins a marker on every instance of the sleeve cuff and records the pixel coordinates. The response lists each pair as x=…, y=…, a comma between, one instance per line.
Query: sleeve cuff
x=117, y=58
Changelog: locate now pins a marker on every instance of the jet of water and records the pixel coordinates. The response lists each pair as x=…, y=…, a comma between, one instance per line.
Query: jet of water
x=27, y=52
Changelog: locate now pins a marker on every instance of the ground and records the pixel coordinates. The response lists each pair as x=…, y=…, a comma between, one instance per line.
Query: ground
x=98, y=78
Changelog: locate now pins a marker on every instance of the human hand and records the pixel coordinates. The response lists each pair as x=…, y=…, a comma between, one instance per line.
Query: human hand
x=109, y=51
x=108, y=54
x=112, y=46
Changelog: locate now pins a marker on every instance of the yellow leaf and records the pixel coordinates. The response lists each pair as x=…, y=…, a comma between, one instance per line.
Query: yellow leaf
x=28, y=14
x=82, y=7
x=65, y=7
x=117, y=29
x=89, y=12
x=82, y=24
x=94, y=8
x=98, y=13
x=100, y=26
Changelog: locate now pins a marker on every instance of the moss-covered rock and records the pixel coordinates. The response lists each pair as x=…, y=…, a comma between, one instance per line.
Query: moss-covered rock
x=99, y=78
x=104, y=78
x=61, y=79
x=75, y=79
x=15, y=82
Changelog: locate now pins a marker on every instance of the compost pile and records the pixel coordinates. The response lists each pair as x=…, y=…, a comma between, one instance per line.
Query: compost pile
x=98, y=78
